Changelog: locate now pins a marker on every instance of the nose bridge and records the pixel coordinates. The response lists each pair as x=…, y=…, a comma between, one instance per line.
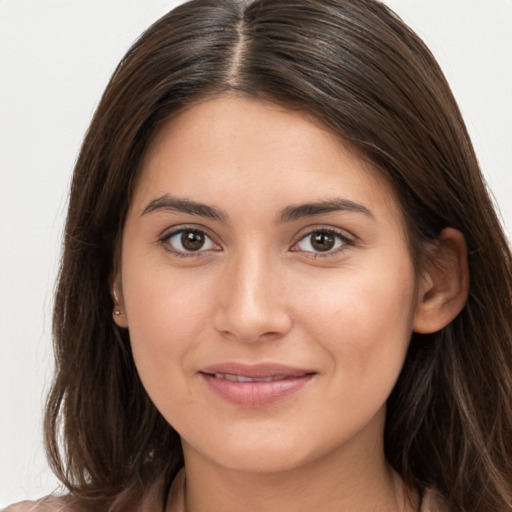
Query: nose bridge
x=252, y=302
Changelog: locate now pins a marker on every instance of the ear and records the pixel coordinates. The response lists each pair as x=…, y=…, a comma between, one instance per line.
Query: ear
x=444, y=285
x=119, y=312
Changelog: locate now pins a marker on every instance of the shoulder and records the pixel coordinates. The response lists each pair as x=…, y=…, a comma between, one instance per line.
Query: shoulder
x=47, y=504
x=433, y=502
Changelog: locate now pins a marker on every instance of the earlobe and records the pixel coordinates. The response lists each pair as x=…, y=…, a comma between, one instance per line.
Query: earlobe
x=118, y=314
x=443, y=290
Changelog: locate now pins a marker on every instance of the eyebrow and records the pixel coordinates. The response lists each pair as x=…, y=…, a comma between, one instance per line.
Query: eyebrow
x=291, y=213
x=169, y=203
x=288, y=214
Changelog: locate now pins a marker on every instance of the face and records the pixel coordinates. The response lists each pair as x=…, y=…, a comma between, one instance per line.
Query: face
x=267, y=287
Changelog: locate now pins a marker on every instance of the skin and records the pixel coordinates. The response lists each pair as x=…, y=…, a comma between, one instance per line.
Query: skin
x=258, y=291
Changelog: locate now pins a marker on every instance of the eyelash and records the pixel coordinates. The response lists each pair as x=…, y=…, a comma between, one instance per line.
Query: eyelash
x=165, y=241
x=340, y=236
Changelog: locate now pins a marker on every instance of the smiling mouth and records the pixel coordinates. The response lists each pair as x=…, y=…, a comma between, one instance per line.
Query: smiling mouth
x=255, y=386
x=243, y=378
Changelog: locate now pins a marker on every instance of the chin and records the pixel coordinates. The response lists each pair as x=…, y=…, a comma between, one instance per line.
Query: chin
x=253, y=454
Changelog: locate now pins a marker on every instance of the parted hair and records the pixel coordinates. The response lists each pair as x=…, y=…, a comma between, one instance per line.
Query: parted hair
x=356, y=67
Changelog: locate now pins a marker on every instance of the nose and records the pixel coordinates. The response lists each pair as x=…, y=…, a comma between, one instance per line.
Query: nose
x=252, y=300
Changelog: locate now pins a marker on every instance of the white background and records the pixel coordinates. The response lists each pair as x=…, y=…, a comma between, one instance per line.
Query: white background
x=55, y=60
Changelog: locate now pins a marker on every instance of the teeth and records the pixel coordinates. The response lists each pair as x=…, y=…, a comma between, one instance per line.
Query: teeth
x=241, y=378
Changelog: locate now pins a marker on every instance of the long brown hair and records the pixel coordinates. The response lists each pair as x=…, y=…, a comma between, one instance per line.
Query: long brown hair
x=359, y=69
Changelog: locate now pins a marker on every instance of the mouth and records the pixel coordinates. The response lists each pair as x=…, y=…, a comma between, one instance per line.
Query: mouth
x=254, y=385
x=243, y=378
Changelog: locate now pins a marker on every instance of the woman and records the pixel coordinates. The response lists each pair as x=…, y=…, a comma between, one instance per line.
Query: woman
x=284, y=286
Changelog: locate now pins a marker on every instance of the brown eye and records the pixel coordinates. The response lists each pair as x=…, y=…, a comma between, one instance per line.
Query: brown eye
x=322, y=241
x=189, y=241
x=192, y=240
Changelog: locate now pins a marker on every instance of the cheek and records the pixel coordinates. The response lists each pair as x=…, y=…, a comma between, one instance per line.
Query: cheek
x=362, y=316
x=161, y=300
x=165, y=321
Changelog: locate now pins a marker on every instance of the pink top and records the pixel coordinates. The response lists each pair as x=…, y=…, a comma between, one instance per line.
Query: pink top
x=431, y=502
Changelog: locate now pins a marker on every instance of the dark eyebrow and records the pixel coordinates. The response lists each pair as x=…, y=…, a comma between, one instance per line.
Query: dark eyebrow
x=291, y=213
x=169, y=203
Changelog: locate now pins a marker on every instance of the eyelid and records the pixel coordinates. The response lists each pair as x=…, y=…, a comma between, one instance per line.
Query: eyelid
x=347, y=238
x=169, y=233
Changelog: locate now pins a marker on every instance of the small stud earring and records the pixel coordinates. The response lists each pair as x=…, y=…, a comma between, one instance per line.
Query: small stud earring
x=117, y=312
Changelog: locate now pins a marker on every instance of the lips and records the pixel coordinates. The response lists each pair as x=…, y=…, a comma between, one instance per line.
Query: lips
x=243, y=378
x=254, y=385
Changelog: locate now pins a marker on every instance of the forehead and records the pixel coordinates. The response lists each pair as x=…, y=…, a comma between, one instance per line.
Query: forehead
x=238, y=151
